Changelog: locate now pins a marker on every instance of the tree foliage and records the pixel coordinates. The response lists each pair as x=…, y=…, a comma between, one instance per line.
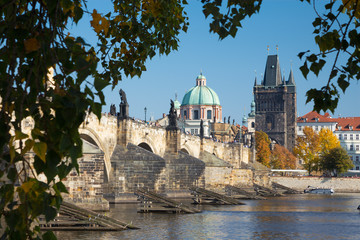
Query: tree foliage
x=336, y=30
x=328, y=141
x=262, y=148
x=313, y=146
x=336, y=161
x=308, y=148
x=42, y=110
x=281, y=158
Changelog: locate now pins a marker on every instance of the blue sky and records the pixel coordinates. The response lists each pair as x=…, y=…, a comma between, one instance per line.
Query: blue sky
x=229, y=65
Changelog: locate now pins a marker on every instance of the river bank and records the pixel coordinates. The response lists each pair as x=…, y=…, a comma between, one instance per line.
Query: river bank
x=339, y=184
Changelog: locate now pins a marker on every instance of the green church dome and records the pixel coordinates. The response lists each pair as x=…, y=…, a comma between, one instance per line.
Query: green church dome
x=201, y=76
x=200, y=95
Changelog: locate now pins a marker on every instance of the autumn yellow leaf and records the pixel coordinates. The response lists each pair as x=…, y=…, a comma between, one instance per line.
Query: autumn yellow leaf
x=31, y=45
x=26, y=186
x=99, y=23
x=352, y=5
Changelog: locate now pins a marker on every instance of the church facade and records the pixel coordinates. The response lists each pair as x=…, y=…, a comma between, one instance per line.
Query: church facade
x=275, y=104
x=200, y=103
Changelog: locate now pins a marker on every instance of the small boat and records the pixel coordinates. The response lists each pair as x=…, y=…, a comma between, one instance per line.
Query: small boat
x=319, y=190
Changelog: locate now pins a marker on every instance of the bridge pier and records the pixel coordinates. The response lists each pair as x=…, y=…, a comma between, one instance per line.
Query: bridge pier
x=173, y=139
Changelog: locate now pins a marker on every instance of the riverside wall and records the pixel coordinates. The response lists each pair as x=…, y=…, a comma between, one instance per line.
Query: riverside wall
x=339, y=184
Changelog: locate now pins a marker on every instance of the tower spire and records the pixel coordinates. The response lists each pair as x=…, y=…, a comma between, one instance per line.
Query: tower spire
x=291, y=80
x=255, y=83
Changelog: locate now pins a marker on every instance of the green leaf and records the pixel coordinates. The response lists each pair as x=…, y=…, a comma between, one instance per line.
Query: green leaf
x=50, y=213
x=49, y=235
x=100, y=83
x=301, y=54
x=343, y=84
x=304, y=69
x=96, y=108
x=61, y=187
x=40, y=150
x=78, y=13
x=39, y=165
x=333, y=73
x=317, y=22
x=65, y=142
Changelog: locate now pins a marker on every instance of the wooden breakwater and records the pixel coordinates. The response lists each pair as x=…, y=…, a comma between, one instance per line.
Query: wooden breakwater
x=204, y=196
x=154, y=202
x=287, y=190
x=73, y=218
x=244, y=194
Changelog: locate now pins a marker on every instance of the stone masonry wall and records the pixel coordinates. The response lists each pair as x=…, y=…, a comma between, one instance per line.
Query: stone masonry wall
x=218, y=177
x=184, y=171
x=338, y=184
x=86, y=189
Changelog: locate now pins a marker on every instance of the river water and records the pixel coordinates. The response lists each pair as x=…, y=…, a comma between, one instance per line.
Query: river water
x=304, y=216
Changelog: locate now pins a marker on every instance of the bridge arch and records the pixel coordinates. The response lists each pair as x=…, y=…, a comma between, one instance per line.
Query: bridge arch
x=148, y=144
x=145, y=146
x=91, y=136
x=186, y=148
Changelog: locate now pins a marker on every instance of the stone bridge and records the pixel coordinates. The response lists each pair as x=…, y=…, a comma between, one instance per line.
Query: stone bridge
x=121, y=155
x=109, y=131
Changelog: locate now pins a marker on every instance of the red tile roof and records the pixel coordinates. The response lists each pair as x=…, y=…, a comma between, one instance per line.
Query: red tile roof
x=316, y=117
x=346, y=123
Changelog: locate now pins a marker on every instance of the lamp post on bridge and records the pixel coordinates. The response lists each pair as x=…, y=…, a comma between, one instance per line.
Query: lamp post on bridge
x=145, y=109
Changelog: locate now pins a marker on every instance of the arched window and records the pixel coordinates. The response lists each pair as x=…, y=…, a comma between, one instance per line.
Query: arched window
x=185, y=116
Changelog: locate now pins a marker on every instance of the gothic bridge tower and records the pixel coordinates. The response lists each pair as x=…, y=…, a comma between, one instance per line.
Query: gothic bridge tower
x=275, y=100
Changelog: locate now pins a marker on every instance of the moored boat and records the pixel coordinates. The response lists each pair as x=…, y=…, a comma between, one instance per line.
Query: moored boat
x=319, y=190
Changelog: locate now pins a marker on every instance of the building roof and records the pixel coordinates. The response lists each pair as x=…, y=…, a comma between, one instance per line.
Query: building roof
x=342, y=123
x=348, y=124
x=316, y=117
x=272, y=75
x=201, y=95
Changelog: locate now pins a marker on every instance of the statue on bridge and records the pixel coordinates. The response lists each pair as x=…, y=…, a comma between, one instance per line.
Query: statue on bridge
x=229, y=120
x=123, y=96
x=124, y=106
x=201, y=129
x=172, y=117
x=112, y=110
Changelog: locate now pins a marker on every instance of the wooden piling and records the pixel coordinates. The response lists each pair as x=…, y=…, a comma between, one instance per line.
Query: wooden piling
x=287, y=189
x=246, y=194
x=74, y=218
x=204, y=196
x=266, y=192
x=153, y=202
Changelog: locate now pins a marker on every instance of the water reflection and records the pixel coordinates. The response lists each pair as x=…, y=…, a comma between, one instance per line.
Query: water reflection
x=293, y=217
